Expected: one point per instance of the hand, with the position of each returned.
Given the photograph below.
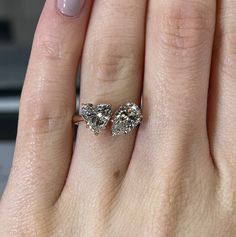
(175, 175)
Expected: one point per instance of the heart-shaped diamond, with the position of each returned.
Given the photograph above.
(96, 117)
(126, 118)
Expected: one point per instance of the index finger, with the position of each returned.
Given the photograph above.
(45, 132)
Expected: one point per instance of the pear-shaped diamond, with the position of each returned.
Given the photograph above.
(126, 118)
(96, 117)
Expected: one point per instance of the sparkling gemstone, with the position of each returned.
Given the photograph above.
(96, 117)
(126, 118)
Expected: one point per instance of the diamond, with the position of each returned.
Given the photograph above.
(96, 117)
(126, 118)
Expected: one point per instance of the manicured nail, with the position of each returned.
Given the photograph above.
(70, 7)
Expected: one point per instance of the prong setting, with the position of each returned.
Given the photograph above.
(126, 118)
(96, 117)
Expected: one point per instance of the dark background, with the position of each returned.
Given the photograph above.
(18, 20)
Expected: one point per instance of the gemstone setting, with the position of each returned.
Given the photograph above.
(126, 118)
(96, 117)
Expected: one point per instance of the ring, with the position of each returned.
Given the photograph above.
(97, 117)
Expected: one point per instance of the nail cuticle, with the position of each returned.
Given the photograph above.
(70, 8)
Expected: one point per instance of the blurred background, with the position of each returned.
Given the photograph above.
(18, 20)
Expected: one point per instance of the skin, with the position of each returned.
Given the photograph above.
(172, 177)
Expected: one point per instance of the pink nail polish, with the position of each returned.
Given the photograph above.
(70, 7)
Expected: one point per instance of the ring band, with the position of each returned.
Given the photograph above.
(97, 117)
(77, 119)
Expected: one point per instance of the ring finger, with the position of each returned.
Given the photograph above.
(112, 70)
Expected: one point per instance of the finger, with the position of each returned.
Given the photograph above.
(44, 140)
(112, 69)
(171, 152)
(178, 60)
(222, 110)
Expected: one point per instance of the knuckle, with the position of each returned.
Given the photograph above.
(122, 8)
(113, 63)
(226, 35)
(51, 48)
(43, 117)
(186, 27)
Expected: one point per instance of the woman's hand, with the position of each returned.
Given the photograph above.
(176, 175)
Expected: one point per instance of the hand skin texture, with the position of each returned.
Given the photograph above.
(175, 175)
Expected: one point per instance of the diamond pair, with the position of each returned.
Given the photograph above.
(124, 120)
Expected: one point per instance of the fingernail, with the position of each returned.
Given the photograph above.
(70, 7)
